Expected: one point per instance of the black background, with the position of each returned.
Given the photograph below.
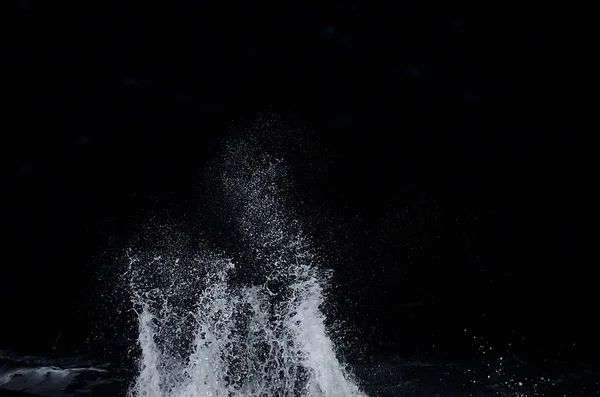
(458, 169)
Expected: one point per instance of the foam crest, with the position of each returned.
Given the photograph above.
(207, 329)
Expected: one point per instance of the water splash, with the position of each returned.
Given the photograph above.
(212, 327)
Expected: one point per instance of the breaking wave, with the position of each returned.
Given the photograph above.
(213, 326)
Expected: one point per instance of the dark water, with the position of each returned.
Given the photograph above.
(379, 376)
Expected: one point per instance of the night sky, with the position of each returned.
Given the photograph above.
(457, 178)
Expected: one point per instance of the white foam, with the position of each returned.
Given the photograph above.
(44, 380)
(238, 338)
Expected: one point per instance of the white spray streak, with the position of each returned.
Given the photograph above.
(258, 340)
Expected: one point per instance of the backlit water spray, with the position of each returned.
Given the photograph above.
(209, 326)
